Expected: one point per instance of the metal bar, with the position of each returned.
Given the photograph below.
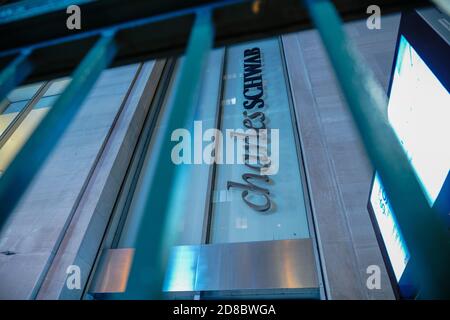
(236, 18)
(423, 231)
(157, 202)
(444, 5)
(30, 158)
(130, 23)
(15, 73)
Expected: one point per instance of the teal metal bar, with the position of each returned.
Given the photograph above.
(30, 158)
(444, 5)
(158, 200)
(424, 232)
(15, 73)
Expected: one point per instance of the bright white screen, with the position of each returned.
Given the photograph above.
(389, 229)
(419, 112)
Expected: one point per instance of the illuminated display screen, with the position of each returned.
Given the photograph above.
(389, 229)
(418, 111)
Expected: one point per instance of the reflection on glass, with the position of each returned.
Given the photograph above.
(24, 92)
(57, 87)
(15, 103)
(17, 139)
(45, 102)
(10, 113)
(20, 135)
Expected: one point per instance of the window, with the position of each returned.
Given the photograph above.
(15, 103)
(21, 112)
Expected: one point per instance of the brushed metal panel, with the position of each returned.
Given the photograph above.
(283, 264)
(182, 269)
(247, 268)
(113, 272)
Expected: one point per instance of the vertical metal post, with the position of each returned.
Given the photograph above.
(15, 73)
(422, 228)
(157, 203)
(30, 158)
(444, 5)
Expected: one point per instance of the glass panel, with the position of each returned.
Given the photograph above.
(20, 135)
(254, 209)
(192, 202)
(57, 87)
(15, 102)
(24, 92)
(15, 107)
(46, 102)
(10, 113)
(26, 128)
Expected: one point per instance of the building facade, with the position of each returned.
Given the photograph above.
(301, 231)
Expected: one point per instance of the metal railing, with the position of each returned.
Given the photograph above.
(422, 231)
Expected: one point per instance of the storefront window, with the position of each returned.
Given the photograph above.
(21, 112)
(248, 205)
(14, 103)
